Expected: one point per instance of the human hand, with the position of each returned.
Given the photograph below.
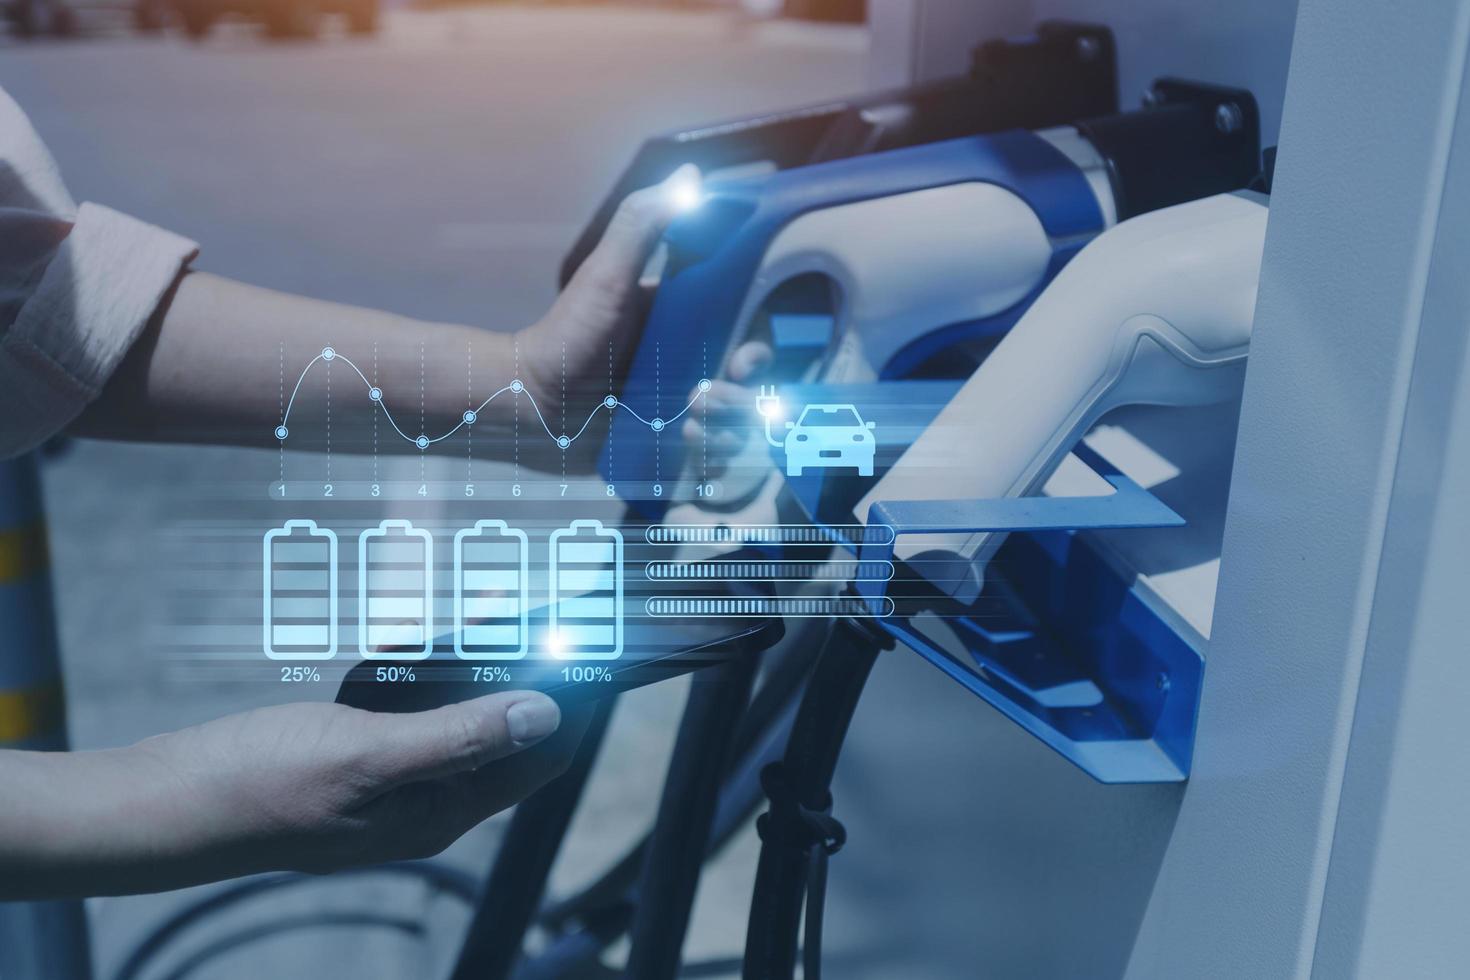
(588, 336)
(720, 432)
(308, 787)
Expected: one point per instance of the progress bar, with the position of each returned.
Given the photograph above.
(843, 570)
(765, 606)
(850, 534)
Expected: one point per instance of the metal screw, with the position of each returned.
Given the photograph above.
(1163, 683)
(1228, 118)
(1088, 48)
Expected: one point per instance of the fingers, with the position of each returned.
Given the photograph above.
(458, 738)
(714, 448)
(726, 412)
(720, 428)
(421, 819)
(637, 225)
(749, 360)
(485, 792)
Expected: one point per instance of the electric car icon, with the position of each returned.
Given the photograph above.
(829, 436)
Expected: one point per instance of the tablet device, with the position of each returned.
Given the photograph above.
(654, 649)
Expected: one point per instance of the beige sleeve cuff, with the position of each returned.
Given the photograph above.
(95, 297)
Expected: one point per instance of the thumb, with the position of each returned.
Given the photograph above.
(460, 737)
(638, 223)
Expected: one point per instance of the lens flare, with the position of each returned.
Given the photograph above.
(685, 189)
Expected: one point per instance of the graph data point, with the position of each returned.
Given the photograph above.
(471, 416)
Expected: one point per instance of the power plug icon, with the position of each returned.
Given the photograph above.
(768, 403)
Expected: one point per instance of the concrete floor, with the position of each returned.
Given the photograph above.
(440, 170)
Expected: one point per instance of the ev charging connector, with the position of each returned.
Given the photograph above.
(926, 249)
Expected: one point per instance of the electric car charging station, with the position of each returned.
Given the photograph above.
(1103, 452)
(1054, 359)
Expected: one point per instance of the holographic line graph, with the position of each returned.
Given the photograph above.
(609, 402)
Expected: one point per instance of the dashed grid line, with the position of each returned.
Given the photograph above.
(564, 407)
(704, 413)
(469, 396)
(658, 436)
(329, 422)
(516, 347)
(281, 407)
(423, 476)
(375, 415)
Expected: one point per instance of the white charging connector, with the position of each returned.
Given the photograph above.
(1154, 311)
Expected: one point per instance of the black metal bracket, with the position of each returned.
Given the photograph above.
(1063, 73)
(1192, 140)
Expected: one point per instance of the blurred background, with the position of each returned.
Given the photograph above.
(437, 159)
(304, 19)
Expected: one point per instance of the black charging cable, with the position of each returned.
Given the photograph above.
(817, 832)
(798, 832)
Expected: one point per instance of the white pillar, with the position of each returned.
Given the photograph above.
(1322, 833)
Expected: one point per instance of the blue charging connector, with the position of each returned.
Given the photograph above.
(715, 251)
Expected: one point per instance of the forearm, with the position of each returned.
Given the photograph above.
(307, 787)
(218, 361)
(88, 823)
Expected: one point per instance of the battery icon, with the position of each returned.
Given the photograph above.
(490, 592)
(395, 600)
(587, 592)
(300, 590)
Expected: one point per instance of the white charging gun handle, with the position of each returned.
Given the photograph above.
(1156, 310)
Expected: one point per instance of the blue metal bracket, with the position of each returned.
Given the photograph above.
(1128, 506)
(1060, 643)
